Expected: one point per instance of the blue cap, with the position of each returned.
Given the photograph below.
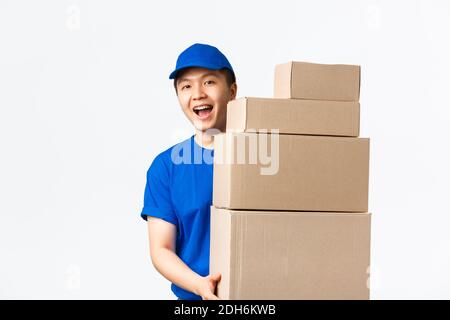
(202, 56)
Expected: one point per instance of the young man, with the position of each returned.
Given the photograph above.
(178, 193)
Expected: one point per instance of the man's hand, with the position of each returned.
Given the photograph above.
(207, 285)
(162, 237)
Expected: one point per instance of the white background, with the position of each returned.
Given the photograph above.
(86, 104)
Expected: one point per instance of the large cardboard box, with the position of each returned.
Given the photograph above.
(294, 116)
(302, 80)
(290, 255)
(290, 172)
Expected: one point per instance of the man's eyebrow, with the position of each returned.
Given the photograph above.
(182, 79)
(209, 74)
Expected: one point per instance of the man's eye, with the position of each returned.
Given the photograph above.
(209, 81)
(185, 87)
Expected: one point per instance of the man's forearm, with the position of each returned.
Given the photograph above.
(175, 270)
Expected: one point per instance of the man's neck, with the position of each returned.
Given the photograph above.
(205, 140)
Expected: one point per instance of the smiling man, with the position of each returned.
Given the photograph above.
(178, 192)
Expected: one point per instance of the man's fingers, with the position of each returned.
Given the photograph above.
(216, 276)
(211, 297)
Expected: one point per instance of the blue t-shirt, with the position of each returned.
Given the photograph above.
(179, 191)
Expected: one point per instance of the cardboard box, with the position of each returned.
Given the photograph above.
(290, 255)
(290, 172)
(294, 116)
(302, 80)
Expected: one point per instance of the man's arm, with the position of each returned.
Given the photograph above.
(162, 236)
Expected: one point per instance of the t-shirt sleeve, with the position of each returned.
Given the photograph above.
(157, 200)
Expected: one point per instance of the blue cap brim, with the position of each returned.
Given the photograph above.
(194, 65)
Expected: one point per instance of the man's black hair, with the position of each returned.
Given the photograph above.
(229, 76)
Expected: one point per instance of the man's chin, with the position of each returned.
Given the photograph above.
(203, 125)
(208, 128)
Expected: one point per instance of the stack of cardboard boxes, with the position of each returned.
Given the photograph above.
(289, 218)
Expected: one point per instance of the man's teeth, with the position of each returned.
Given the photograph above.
(202, 107)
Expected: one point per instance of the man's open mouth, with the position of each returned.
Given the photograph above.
(203, 111)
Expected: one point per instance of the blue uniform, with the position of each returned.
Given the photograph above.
(179, 191)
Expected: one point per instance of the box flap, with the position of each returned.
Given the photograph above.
(237, 115)
(283, 76)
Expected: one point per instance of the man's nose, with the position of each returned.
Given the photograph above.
(198, 93)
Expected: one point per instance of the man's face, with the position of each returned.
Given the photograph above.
(203, 95)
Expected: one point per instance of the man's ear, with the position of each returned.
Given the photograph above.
(233, 91)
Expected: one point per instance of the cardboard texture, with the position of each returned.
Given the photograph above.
(312, 173)
(302, 80)
(290, 255)
(290, 207)
(294, 116)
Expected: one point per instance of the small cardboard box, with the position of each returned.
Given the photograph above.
(290, 172)
(290, 255)
(294, 116)
(302, 80)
